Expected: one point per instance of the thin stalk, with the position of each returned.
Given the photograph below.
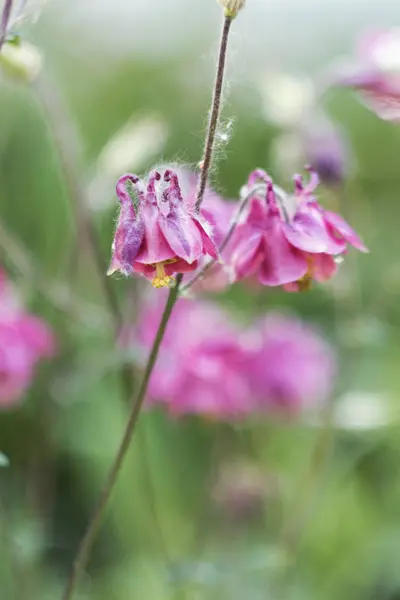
(5, 18)
(215, 112)
(227, 238)
(66, 141)
(98, 514)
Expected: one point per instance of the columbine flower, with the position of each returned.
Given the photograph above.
(377, 74)
(289, 241)
(293, 367)
(24, 340)
(160, 235)
(203, 362)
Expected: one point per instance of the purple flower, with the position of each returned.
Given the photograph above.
(288, 241)
(376, 75)
(161, 234)
(24, 341)
(293, 368)
(203, 362)
(326, 150)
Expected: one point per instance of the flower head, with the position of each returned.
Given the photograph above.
(160, 234)
(203, 362)
(286, 240)
(376, 75)
(293, 367)
(24, 341)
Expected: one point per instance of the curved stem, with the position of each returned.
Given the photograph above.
(98, 514)
(215, 111)
(5, 18)
(227, 238)
(65, 136)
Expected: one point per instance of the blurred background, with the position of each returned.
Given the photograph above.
(294, 508)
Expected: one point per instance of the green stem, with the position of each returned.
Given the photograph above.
(99, 511)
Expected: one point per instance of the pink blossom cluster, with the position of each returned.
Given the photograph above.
(24, 341)
(281, 239)
(210, 366)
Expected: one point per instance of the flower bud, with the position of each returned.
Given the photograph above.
(21, 61)
(232, 7)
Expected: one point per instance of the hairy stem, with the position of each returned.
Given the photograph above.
(98, 514)
(5, 17)
(226, 239)
(214, 114)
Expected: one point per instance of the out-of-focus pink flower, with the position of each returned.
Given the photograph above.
(203, 362)
(293, 368)
(160, 235)
(376, 75)
(24, 341)
(288, 241)
(210, 367)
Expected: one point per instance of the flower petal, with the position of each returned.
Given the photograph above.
(247, 256)
(282, 263)
(341, 227)
(306, 232)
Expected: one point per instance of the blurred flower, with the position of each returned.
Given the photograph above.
(325, 149)
(21, 60)
(316, 142)
(130, 148)
(241, 489)
(360, 410)
(209, 366)
(293, 368)
(288, 241)
(376, 76)
(24, 340)
(160, 235)
(203, 363)
(286, 99)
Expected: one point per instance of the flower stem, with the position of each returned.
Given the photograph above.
(65, 138)
(226, 239)
(99, 511)
(5, 17)
(215, 111)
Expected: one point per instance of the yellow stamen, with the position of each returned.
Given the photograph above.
(305, 282)
(162, 279)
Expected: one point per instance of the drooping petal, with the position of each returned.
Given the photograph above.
(306, 232)
(342, 230)
(208, 245)
(182, 236)
(282, 263)
(324, 267)
(247, 256)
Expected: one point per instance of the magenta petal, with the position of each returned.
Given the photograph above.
(182, 236)
(247, 256)
(282, 262)
(208, 245)
(341, 226)
(306, 232)
(257, 213)
(324, 267)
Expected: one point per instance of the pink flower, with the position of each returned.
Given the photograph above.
(376, 76)
(293, 368)
(161, 234)
(203, 363)
(24, 341)
(288, 241)
(219, 213)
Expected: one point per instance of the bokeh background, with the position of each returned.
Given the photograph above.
(173, 528)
